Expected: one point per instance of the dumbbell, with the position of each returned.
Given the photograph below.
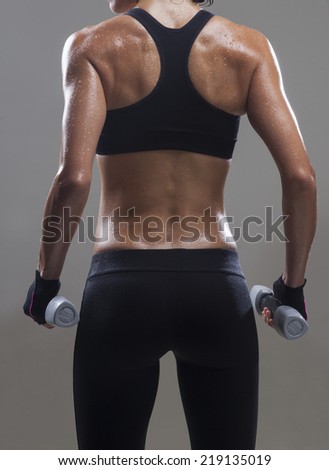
(61, 312)
(287, 321)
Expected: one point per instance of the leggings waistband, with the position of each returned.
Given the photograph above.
(172, 259)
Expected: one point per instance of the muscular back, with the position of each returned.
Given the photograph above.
(221, 61)
(125, 66)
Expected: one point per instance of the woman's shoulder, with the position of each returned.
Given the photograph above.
(242, 36)
(115, 26)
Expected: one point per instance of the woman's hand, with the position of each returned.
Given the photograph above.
(39, 295)
(268, 317)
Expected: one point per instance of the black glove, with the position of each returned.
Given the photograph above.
(291, 296)
(39, 295)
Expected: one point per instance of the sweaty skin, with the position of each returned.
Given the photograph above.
(115, 64)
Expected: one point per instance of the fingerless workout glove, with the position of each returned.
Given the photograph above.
(39, 295)
(291, 296)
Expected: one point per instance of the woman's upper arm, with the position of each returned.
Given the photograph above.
(84, 110)
(271, 115)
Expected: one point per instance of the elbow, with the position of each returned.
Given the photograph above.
(302, 181)
(68, 190)
(73, 182)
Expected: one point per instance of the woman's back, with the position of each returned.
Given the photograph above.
(167, 185)
(221, 61)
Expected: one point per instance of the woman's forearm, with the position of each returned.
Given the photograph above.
(299, 204)
(63, 210)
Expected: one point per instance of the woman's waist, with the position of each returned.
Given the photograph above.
(180, 228)
(167, 259)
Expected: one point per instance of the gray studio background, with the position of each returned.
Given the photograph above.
(36, 404)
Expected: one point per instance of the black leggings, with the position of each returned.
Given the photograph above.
(137, 306)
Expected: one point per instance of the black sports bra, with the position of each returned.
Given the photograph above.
(174, 115)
